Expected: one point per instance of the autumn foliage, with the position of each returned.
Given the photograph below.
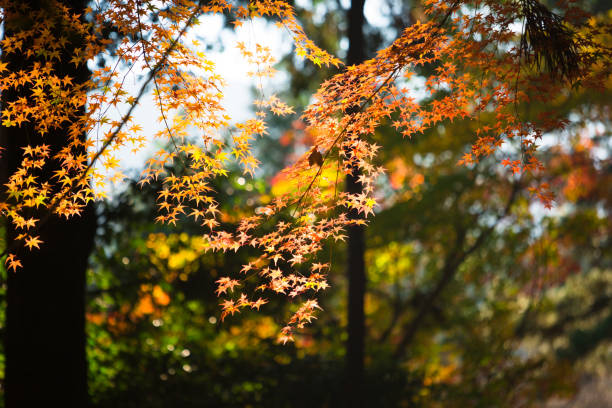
(482, 59)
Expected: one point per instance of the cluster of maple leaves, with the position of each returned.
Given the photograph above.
(475, 70)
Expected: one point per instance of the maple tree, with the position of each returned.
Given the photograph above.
(486, 57)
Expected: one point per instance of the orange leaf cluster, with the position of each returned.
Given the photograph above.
(477, 71)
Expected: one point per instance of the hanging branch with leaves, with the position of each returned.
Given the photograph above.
(475, 61)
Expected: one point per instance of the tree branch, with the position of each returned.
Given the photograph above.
(449, 270)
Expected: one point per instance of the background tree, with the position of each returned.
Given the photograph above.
(45, 301)
(355, 346)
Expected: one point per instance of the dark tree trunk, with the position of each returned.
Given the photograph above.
(356, 244)
(45, 315)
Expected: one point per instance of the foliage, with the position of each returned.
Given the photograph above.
(477, 74)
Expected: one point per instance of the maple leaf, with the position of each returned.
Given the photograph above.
(286, 335)
(12, 262)
(229, 307)
(225, 284)
(319, 266)
(276, 257)
(258, 303)
(246, 268)
(33, 242)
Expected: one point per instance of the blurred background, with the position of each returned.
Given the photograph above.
(476, 296)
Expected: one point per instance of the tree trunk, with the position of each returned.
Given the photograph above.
(355, 344)
(45, 315)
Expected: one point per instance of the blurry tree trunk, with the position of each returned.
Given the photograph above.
(45, 315)
(356, 245)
